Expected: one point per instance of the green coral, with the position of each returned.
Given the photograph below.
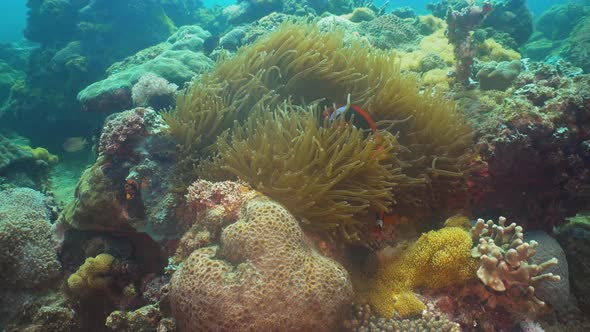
(92, 276)
(95, 206)
(43, 154)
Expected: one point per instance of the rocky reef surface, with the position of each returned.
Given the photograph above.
(226, 191)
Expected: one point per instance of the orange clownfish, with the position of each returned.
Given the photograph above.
(331, 114)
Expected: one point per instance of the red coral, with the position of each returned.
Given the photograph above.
(121, 131)
(227, 195)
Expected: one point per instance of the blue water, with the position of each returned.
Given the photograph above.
(223, 3)
(12, 20)
(419, 6)
(13, 13)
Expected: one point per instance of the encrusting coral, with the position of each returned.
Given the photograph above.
(300, 64)
(262, 276)
(438, 259)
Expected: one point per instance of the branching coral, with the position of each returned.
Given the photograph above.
(505, 259)
(301, 64)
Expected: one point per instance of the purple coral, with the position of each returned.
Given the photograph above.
(460, 24)
(121, 131)
(150, 88)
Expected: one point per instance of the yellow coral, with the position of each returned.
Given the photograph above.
(407, 304)
(42, 154)
(491, 50)
(92, 275)
(458, 220)
(360, 14)
(432, 23)
(436, 260)
(436, 43)
(436, 78)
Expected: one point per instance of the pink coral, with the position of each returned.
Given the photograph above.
(150, 86)
(121, 130)
(226, 197)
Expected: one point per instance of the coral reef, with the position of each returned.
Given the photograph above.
(78, 40)
(28, 260)
(12, 154)
(533, 139)
(23, 166)
(511, 18)
(573, 236)
(262, 276)
(363, 319)
(8, 77)
(92, 276)
(389, 31)
(146, 319)
(505, 259)
(561, 32)
(153, 90)
(301, 64)
(129, 181)
(49, 312)
(177, 60)
(305, 164)
(361, 14)
(498, 76)
(441, 8)
(460, 25)
(554, 292)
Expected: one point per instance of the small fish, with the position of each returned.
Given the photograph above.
(74, 144)
(131, 188)
(332, 113)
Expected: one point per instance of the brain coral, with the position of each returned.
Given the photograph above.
(263, 277)
(27, 256)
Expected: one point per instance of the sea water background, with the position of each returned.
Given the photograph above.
(13, 18)
(13, 13)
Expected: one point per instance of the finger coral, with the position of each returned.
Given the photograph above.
(505, 259)
(262, 277)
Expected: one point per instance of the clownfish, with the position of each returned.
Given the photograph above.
(332, 115)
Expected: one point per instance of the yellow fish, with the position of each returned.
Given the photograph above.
(74, 144)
